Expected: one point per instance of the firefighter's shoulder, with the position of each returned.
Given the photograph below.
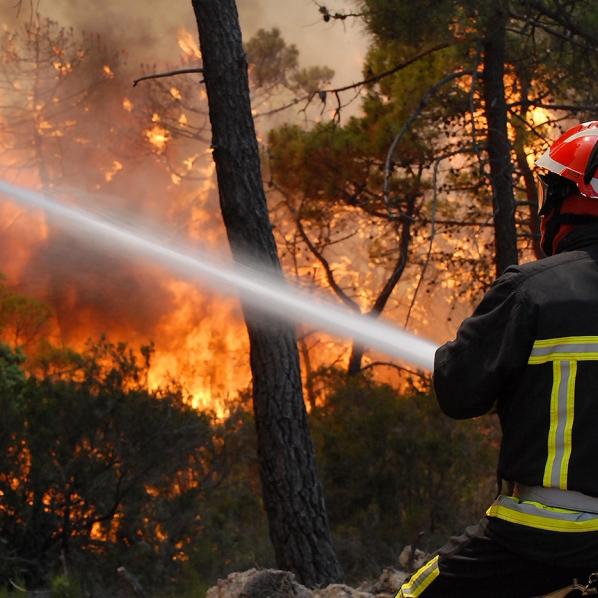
(543, 267)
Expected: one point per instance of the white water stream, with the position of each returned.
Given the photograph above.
(257, 289)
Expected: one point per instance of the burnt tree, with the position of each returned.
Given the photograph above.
(292, 493)
(499, 148)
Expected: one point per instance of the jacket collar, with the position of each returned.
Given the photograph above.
(581, 237)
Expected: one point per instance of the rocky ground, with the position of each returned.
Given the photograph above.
(271, 583)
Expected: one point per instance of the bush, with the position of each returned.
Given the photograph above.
(396, 470)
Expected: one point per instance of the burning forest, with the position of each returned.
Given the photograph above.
(157, 426)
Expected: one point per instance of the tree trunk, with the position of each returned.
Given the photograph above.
(531, 189)
(499, 149)
(292, 493)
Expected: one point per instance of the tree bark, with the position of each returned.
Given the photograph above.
(531, 189)
(292, 494)
(499, 149)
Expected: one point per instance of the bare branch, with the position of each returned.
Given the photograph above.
(401, 263)
(568, 107)
(393, 70)
(359, 84)
(432, 235)
(338, 16)
(338, 291)
(168, 74)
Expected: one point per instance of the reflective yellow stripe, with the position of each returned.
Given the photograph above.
(568, 424)
(420, 580)
(566, 348)
(563, 356)
(533, 514)
(565, 340)
(554, 421)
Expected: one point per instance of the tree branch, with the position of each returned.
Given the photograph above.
(338, 291)
(392, 71)
(561, 18)
(407, 124)
(167, 74)
(399, 268)
(368, 81)
(569, 107)
(339, 16)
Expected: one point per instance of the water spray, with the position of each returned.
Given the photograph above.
(258, 289)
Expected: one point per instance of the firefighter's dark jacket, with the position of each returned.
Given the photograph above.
(530, 350)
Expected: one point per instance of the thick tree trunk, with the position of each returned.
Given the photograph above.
(292, 493)
(499, 149)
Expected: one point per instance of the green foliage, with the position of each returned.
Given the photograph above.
(97, 470)
(274, 63)
(23, 319)
(394, 467)
(64, 587)
(271, 58)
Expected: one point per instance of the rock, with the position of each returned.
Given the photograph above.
(389, 582)
(254, 583)
(339, 590)
(272, 583)
(411, 560)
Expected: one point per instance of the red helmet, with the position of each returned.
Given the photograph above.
(574, 155)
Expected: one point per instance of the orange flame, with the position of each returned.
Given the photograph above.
(188, 44)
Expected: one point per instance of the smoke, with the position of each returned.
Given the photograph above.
(148, 31)
(106, 155)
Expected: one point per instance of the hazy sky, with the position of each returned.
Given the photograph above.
(148, 29)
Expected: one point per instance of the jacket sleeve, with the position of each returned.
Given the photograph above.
(490, 351)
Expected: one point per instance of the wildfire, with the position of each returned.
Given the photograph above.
(188, 44)
(107, 72)
(127, 105)
(158, 136)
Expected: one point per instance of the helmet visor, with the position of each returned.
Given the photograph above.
(552, 190)
(542, 195)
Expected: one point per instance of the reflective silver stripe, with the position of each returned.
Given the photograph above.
(545, 161)
(531, 509)
(559, 445)
(555, 497)
(537, 515)
(583, 133)
(564, 348)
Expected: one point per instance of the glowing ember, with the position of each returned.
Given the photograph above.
(64, 68)
(107, 72)
(128, 105)
(116, 167)
(158, 136)
(175, 93)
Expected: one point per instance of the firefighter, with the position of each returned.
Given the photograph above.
(530, 352)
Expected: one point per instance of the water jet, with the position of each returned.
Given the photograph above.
(257, 288)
